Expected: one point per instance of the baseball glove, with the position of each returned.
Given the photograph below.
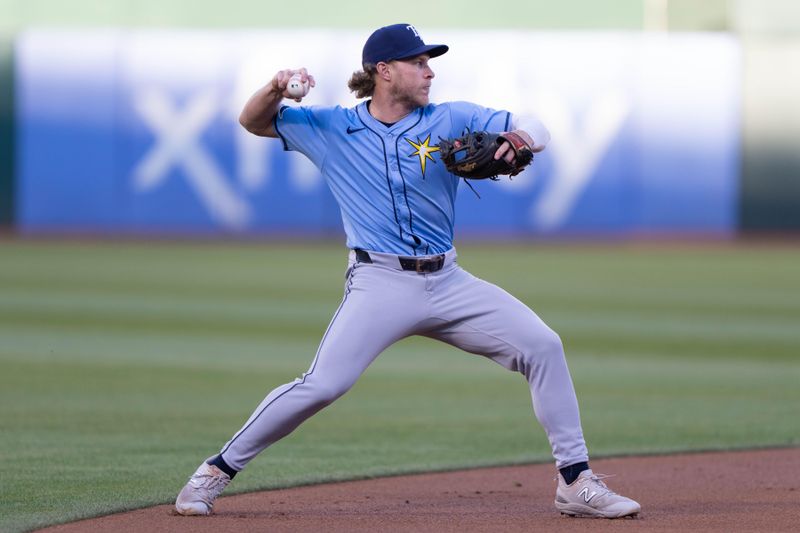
(472, 155)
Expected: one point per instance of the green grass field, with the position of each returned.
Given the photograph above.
(126, 364)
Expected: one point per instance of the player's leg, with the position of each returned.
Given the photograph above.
(481, 318)
(378, 308)
(373, 315)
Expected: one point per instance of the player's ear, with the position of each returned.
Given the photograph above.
(384, 72)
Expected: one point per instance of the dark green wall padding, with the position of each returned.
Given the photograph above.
(6, 132)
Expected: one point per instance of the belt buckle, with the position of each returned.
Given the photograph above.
(432, 264)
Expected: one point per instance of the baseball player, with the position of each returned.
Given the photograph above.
(402, 278)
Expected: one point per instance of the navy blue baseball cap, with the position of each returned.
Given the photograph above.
(398, 41)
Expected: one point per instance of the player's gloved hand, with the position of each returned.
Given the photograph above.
(481, 155)
(508, 151)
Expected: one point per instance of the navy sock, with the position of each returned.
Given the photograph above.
(570, 473)
(222, 465)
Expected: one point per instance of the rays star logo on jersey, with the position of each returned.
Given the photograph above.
(423, 151)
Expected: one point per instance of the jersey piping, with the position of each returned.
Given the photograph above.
(386, 165)
(417, 242)
(277, 130)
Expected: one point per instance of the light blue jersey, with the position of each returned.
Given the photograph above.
(394, 193)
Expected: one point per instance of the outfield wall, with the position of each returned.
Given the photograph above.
(136, 131)
(7, 134)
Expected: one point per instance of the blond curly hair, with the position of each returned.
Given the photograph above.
(362, 82)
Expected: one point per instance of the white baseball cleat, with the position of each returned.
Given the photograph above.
(588, 496)
(197, 497)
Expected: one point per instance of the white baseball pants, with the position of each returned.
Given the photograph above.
(382, 304)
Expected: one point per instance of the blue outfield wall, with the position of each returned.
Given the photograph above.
(124, 131)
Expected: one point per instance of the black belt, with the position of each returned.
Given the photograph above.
(432, 263)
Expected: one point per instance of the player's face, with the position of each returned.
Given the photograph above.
(411, 81)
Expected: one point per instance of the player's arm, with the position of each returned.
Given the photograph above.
(532, 132)
(259, 112)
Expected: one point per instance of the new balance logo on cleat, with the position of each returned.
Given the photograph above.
(586, 495)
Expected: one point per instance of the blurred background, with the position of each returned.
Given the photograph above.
(669, 117)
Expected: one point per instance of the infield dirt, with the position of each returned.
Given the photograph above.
(711, 492)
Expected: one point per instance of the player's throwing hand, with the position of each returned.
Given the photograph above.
(293, 84)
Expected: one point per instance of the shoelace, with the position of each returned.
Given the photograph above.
(213, 484)
(598, 479)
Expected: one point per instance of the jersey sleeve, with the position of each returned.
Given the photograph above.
(303, 129)
(478, 118)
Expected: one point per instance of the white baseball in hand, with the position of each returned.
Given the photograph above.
(297, 88)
